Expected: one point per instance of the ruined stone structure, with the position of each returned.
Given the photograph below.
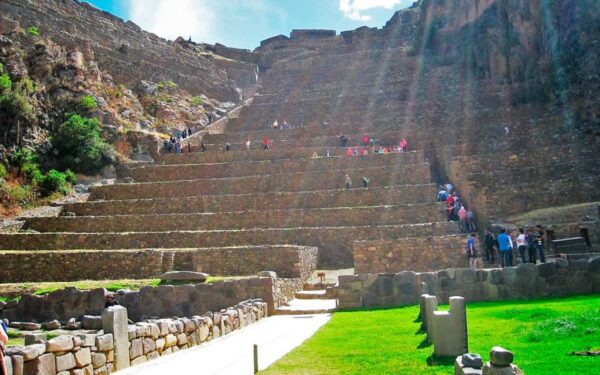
(478, 88)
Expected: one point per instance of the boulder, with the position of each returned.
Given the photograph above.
(184, 276)
(91, 322)
(59, 344)
(472, 360)
(500, 356)
(35, 338)
(53, 324)
(30, 326)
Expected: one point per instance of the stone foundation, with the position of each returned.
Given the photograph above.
(523, 282)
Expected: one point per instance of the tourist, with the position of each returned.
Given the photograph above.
(442, 195)
(450, 209)
(541, 238)
(202, 146)
(315, 155)
(343, 140)
(178, 147)
(451, 198)
(449, 187)
(285, 125)
(348, 181)
(327, 153)
(227, 146)
(266, 142)
(462, 218)
(522, 244)
(531, 246)
(173, 143)
(110, 301)
(404, 145)
(489, 242)
(248, 144)
(3, 343)
(275, 126)
(189, 131)
(349, 151)
(366, 140)
(166, 145)
(189, 147)
(455, 211)
(505, 247)
(472, 251)
(365, 182)
(471, 220)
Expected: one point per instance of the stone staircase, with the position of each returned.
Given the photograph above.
(220, 198)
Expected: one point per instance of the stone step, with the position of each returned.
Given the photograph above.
(286, 218)
(259, 155)
(307, 307)
(321, 180)
(402, 194)
(151, 173)
(311, 294)
(390, 138)
(334, 243)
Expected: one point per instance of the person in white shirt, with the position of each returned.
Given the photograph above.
(522, 244)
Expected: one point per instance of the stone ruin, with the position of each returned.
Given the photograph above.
(446, 330)
(500, 364)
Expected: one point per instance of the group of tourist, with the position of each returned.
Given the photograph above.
(368, 142)
(173, 144)
(456, 208)
(529, 242)
(283, 126)
(348, 181)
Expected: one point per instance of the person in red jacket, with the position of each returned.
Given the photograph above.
(266, 142)
(366, 139)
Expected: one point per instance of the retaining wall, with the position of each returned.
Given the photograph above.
(60, 265)
(525, 281)
(414, 254)
(156, 302)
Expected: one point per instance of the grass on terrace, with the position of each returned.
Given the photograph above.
(9, 291)
(541, 334)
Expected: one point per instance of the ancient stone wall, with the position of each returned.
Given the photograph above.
(412, 254)
(523, 282)
(79, 265)
(158, 302)
(127, 52)
(97, 352)
(286, 261)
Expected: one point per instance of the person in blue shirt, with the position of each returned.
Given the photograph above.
(442, 195)
(505, 247)
(472, 251)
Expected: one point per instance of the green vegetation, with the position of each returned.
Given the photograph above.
(41, 288)
(32, 30)
(80, 146)
(5, 82)
(197, 101)
(166, 85)
(541, 333)
(88, 103)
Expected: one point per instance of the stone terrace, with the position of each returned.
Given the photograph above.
(222, 199)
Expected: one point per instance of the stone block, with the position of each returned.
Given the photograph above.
(561, 263)
(65, 362)
(472, 360)
(101, 371)
(110, 356)
(489, 369)
(184, 276)
(152, 355)
(182, 339)
(546, 269)
(30, 326)
(42, 365)
(594, 265)
(17, 364)
(98, 359)
(139, 360)
(430, 304)
(114, 320)
(59, 344)
(88, 370)
(450, 329)
(92, 322)
(131, 333)
(160, 344)
(500, 356)
(170, 340)
(8, 365)
(163, 326)
(87, 339)
(105, 342)
(136, 348)
(461, 369)
(154, 330)
(149, 345)
(579, 265)
(35, 338)
(31, 352)
(83, 357)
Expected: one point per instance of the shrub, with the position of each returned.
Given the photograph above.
(3, 171)
(23, 157)
(32, 30)
(88, 103)
(71, 177)
(5, 82)
(170, 83)
(80, 146)
(197, 101)
(54, 181)
(27, 86)
(1, 68)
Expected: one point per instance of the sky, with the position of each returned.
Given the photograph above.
(244, 23)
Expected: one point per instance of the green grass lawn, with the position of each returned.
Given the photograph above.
(540, 333)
